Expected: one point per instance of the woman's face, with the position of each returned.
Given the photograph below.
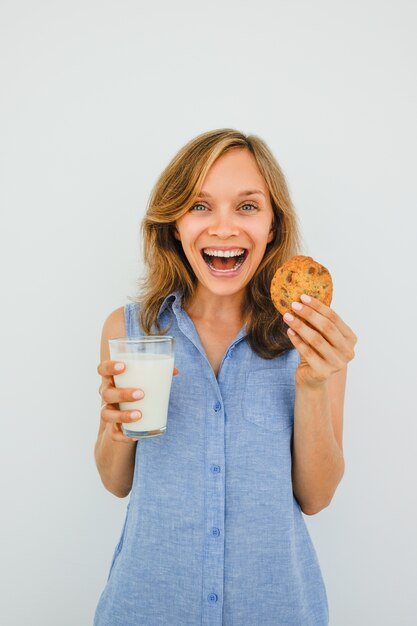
(225, 234)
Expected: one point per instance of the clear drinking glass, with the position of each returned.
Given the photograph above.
(149, 363)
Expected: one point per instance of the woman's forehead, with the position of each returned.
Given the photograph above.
(238, 167)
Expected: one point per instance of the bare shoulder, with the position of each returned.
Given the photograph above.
(113, 327)
(114, 324)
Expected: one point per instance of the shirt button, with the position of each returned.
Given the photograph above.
(215, 469)
(215, 532)
(217, 406)
(212, 598)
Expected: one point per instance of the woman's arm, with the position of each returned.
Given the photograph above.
(114, 453)
(325, 345)
(318, 463)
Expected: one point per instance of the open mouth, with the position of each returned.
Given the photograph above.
(224, 261)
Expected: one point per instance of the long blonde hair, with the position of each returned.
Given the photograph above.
(167, 268)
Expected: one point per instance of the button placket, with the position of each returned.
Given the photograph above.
(213, 565)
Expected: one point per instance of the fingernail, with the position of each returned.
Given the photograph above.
(305, 298)
(134, 439)
(135, 415)
(119, 366)
(288, 317)
(297, 306)
(137, 394)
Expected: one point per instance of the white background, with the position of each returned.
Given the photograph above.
(97, 97)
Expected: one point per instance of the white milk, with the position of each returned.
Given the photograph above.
(153, 374)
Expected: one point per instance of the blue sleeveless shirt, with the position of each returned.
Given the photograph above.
(213, 535)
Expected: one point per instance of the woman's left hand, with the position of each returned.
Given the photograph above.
(325, 342)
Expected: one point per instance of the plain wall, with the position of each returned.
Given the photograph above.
(97, 97)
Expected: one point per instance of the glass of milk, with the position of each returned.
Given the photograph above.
(149, 364)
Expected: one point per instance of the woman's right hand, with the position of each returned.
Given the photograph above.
(111, 396)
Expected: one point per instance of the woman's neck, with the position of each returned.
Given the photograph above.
(212, 307)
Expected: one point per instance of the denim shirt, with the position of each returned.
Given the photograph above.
(213, 535)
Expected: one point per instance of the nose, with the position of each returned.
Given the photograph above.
(223, 225)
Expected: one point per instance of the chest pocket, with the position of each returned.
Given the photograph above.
(268, 401)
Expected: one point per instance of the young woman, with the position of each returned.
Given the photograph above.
(214, 532)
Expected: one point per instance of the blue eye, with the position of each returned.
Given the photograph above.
(201, 208)
(249, 204)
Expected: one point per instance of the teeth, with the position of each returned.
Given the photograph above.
(224, 253)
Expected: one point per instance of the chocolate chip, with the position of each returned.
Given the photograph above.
(311, 270)
(283, 302)
(289, 277)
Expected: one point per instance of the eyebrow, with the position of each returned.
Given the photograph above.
(247, 192)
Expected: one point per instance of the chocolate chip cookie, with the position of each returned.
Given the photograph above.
(298, 275)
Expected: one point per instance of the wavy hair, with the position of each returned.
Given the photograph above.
(167, 268)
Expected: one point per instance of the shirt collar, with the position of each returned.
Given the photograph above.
(175, 298)
(171, 299)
